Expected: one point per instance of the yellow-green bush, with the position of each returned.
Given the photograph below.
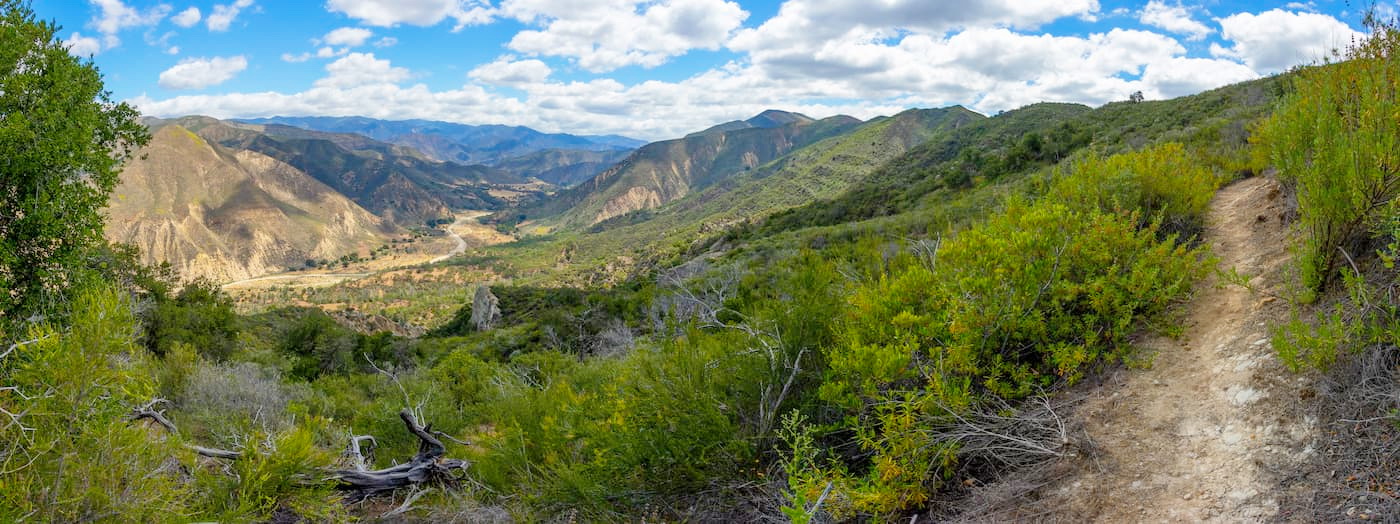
(282, 471)
(69, 454)
(1165, 181)
(1335, 142)
(1033, 296)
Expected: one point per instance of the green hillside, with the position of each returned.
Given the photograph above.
(665, 171)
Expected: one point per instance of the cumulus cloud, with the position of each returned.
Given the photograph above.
(604, 35)
(837, 56)
(387, 41)
(1276, 39)
(507, 71)
(804, 24)
(358, 69)
(1180, 76)
(114, 16)
(1174, 18)
(199, 73)
(187, 18)
(822, 38)
(348, 36)
(79, 45)
(988, 68)
(223, 15)
(389, 13)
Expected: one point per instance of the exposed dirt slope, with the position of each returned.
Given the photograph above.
(1193, 438)
(228, 215)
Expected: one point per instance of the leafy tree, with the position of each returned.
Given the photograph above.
(200, 315)
(63, 141)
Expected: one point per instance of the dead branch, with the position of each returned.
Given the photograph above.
(353, 450)
(428, 466)
(17, 345)
(407, 503)
(148, 411)
(216, 452)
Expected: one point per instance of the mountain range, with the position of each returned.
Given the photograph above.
(661, 172)
(369, 179)
(461, 143)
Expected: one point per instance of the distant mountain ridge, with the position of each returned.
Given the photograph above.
(664, 171)
(227, 214)
(765, 120)
(395, 182)
(461, 143)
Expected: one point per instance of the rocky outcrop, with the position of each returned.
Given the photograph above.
(486, 311)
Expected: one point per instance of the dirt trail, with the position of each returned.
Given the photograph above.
(461, 246)
(1194, 437)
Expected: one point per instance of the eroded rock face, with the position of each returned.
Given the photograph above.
(228, 215)
(486, 311)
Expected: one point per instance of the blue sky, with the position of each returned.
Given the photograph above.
(661, 68)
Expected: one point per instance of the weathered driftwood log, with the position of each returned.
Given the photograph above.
(426, 467)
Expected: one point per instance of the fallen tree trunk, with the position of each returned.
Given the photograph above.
(426, 467)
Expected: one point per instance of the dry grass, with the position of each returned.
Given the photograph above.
(1355, 472)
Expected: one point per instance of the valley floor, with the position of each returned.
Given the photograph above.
(465, 232)
(1197, 436)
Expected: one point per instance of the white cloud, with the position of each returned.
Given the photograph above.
(199, 73)
(604, 35)
(389, 13)
(806, 23)
(186, 18)
(79, 45)
(860, 58)
(348, 36)
(115, 16)
(298, 58)
(1174, 18)
(832, 37)
(173, 50)
(387, 41)
(1276, 39)
(507, 71)
(987, 69)
(223, 15)
(358, 69)
(1185, 76)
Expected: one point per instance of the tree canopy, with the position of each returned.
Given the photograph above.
(62, 143)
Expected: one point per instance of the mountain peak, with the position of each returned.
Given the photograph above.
(776, 117)
(768, 119)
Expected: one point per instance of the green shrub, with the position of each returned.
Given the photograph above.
(201, 315)
(1165, 181)
(1033, 296)
(1334, 141)
(277, 472)
(70, 454)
